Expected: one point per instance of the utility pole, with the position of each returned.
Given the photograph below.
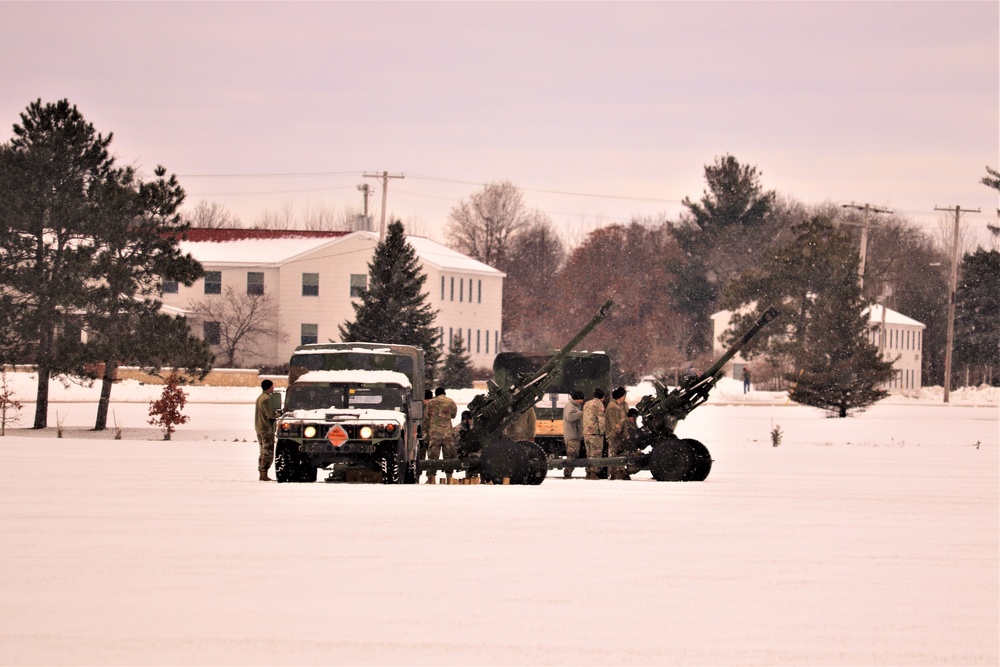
(384, 177)
(366, 191)
(866, 209)
(953, 285)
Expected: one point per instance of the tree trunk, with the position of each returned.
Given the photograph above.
(110, 366)
(42, 397)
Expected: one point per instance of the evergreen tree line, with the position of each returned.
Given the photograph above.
(85, 245)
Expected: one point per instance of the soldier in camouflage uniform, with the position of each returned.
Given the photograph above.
(593, 429)
(616, 423)
(438, 414)
(263, 421)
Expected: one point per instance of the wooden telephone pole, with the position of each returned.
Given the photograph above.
(866, 209)
(384, 177)
(953, 285)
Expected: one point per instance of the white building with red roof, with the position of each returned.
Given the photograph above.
(313, 278)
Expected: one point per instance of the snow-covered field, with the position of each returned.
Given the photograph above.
(871, 540)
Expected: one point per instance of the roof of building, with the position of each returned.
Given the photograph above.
(891, 317)
(269, 247)
(874, 316)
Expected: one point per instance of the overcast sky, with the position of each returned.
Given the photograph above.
(597, 111)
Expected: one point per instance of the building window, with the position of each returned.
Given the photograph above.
(496, 342)
(170, 287)
(487, 342)
(477, 341)
(310, 334)
(479, 297)
(255, 282)
(213, 282)
(470, 290)
(359, 282)
(451, 337)
(442, 291)
(452, 290)
(468, 341)
(310, 284)
(212, 333)
(461, 290)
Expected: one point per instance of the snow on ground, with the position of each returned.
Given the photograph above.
(871, 540)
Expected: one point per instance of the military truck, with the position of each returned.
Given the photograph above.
(577, 371)
(354, 410)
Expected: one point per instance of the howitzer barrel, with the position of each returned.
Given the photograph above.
(602, 314)
(769, 315)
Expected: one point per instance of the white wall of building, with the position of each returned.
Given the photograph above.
(333, 262)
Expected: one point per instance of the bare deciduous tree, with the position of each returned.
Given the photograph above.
(483, 226)
(246, 322)
(212, 215)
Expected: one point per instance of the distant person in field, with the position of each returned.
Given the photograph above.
(263, 421)
(746, 379)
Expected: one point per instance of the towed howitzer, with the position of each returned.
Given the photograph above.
(493, 411)
(673, 459)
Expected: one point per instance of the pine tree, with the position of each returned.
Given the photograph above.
(813, 280)
(457, 373)
(393, 308)
(839, 369)
(977, 312)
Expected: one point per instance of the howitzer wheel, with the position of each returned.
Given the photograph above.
(504, 459)
(701, 461)
(670, 461)
(537, 464)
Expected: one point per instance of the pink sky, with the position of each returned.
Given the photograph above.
(893, 104)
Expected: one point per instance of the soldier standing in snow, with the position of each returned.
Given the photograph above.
(263, 421)
(615, 423)
(573, 428)
(438, 414)
(593, 429)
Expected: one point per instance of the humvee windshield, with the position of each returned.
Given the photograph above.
(322, 395)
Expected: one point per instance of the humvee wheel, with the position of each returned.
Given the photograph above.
(670, 461)
(290, 465)
(701, 461)
(410, 473)
(504, 459)
(537, 463)
(392, 472)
